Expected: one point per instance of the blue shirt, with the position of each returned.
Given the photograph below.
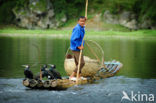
(77, 37)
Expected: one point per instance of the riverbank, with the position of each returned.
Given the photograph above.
(62, 32)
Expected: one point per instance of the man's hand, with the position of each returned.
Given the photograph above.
(80, 47)
(85, 18)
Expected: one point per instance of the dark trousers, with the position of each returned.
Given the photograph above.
(76, 58)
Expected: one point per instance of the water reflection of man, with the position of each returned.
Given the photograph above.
(75, 45)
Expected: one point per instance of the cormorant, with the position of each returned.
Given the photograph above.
(46, 73)
(55, 73)
(44, 67)
(27, 72)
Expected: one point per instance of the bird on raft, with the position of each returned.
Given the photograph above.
(46, 73)
(27, 72)
(55, 73)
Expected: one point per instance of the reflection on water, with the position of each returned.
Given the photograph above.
(108, 90)
(33, 51)
(137, 55)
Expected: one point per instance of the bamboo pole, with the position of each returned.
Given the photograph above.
(40, 73)
(77, 78)
(86, 8)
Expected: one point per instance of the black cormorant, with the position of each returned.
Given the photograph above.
(46, 73)
(55, 73)
(27, 72)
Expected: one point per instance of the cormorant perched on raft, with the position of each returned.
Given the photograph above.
(45, 73)
(55, 73)
(44, 67)
(27, 72)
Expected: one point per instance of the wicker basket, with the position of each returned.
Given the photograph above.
(90, 68)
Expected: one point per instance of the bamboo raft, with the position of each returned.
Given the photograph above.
(62, 84)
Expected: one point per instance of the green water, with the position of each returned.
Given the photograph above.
(138, 55)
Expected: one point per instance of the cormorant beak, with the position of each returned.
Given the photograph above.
(52, 66)
(26, 66)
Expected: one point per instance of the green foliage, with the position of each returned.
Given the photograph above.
(59, 8)
(114, 6)
(21, 3)
(6, 14)
(72, 8)
(145, 10)
(41, 5)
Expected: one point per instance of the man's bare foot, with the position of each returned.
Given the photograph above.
(72, 75)
(72, 78)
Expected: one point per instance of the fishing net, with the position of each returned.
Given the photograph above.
(93, 57)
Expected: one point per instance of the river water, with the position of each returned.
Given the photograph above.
(138, 74)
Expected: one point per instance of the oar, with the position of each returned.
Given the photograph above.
(77, 78)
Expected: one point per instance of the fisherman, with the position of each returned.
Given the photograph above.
(75, 45)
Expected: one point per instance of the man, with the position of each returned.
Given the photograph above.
(75, 45)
